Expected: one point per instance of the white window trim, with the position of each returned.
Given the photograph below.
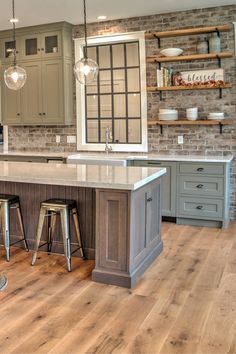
(80, 96)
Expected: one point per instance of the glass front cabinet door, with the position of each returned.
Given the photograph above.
(41, 45)
(7, 50)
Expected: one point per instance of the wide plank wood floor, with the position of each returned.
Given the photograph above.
(185, 303)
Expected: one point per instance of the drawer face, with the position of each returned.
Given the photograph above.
(202, 168)
(201, 185)
(201, 208)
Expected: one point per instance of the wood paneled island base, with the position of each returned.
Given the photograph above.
(120, 228)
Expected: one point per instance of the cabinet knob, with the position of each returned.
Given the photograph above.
(18, 114)
(200, 169)
(40, 114)
(200, 186)
(38, 49)
(200, 207)
(149, 199)
(42, 49)
(44, 114)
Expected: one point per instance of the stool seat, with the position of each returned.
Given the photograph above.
(65, 208)
(51, 203)
(12, 199)
(8, 202)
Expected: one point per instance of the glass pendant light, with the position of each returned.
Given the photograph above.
(14, 76)
(86, 70)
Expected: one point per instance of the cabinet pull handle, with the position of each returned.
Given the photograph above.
(154, 163)
(200, 207)
(200, 169)
(149, 199)
(200, 186)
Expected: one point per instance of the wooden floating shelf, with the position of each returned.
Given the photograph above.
(187, 31)
(158, 59)
(191, 122)
(178, 88)
(162, 123)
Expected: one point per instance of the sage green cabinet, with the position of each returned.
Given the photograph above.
(203, 194)
(169, 181)
(11, 104)
(195, 193)
(41, 46)
(47, 97)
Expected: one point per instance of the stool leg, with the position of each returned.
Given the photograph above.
(19, 214)
(77, 230)
(6, 227)
(65, 224)
(51, 228)
(39, 234)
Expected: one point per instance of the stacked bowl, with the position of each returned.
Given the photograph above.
(168, 114)
(216, 116)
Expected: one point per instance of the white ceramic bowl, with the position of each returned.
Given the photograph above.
(168, 116)
(216, 114)
(163, 110)
(192, 117)
(171, 52)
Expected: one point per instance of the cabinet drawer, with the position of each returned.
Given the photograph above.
(202, 168)
(201, 185)
(200, 208)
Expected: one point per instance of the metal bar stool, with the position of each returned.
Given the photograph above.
(8, 202)
(51, 208)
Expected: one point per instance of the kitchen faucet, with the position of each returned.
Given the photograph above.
(108, 147)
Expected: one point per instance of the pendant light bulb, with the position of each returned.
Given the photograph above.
(14, 76)
(86, 69)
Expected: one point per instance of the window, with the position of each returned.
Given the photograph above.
(118, 98)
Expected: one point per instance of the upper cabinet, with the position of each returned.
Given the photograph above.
(46, 54)
(42, 46)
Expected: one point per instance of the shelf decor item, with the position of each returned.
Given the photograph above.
(171, 52)
(14, 76)
(214, 43)
(203, 47)
(212, 77)
(86, 69)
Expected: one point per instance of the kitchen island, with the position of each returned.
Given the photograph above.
(119, 211)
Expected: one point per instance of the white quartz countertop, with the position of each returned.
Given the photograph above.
(94, 176)
(122, 156)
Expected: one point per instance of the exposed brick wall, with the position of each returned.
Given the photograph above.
(197, 139)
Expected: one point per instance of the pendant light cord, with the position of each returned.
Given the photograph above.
(14, 32)
(85, 31)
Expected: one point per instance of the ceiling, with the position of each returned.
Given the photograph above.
(33, 12)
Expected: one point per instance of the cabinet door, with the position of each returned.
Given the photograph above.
(11, 104)
(168, 195)
(51, 45)
(52, 92)
(153, 214)
(7, 46)
(31, 94)
(31, 47)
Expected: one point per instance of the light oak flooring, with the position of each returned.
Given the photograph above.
(185, 303)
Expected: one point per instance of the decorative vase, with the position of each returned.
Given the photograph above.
(202, 47)
(214, 43)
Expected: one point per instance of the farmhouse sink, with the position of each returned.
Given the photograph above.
(96, 159)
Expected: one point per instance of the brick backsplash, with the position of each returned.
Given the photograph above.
(197, 139)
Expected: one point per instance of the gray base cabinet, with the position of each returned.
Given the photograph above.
(195, 193)
(128, 234)
(203, 194)
(169, 181)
